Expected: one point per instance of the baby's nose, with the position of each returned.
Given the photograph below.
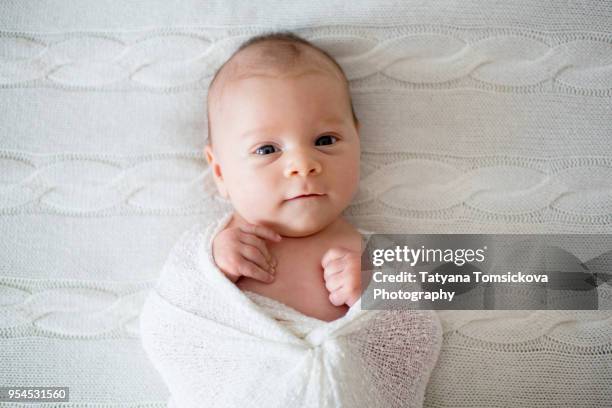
(302, 164)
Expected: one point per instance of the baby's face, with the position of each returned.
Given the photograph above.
(276, 138)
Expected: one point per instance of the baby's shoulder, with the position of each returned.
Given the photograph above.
(348, 236)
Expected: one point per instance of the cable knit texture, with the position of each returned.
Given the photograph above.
(477, 117)
(217, 347)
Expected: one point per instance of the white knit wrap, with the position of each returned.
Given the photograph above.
(216, 346)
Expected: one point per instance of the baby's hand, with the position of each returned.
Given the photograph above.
(342, 275)
(242, 251)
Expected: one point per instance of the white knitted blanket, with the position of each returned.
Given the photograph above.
(216, 346)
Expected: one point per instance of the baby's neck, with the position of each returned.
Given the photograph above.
(336, 226)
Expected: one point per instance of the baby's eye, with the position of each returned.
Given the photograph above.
(265, 149)
(327, 139)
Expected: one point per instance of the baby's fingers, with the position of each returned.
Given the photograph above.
(337, 297)
(253, 254)
(249, 269)
(261, 231)
(258, 243)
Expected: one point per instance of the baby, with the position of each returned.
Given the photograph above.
(284, 149)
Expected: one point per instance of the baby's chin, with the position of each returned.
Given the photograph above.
(299, 232)
(296, 222)
(302, 228)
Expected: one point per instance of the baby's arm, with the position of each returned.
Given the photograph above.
(241, 251)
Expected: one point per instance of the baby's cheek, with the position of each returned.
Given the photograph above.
(351, 181)
(241, 189)
(251, 192)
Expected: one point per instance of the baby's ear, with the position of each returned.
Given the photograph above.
(216, 170)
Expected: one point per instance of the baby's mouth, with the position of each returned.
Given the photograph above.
(305, 196)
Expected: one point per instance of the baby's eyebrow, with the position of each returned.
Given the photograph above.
(334, 122)
(255, 132)
(327, 122)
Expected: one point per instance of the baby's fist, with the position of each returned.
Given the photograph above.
(242, 251)
(342, 275)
